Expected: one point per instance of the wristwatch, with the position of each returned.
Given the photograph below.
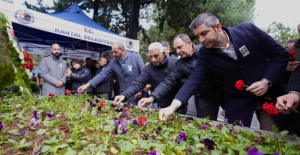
(268, 83)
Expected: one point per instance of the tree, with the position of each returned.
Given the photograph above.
(281, 33)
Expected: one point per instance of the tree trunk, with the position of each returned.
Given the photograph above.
(134, 19)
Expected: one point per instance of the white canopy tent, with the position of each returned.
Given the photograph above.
(72, 29)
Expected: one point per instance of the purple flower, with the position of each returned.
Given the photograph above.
(237, 122)
(124, 113)
(276, 153)
(135, 122)
(119, 109)
(181, 137)
(124, 124)
(144, 136)
(219, 126)
(205, 125)
(1, 125)
(209, 144)
(97, 100)
(99, 108)
(77, 94)
(117, 122)
(35, 115)
(158, 130)
(153, 137)
(152, 152)
(189, 118)
(22, 132)
(190, 149)
(32, 122)
(254, 151)
(226, 120)
(113, 105)
(38, 151)
(51, 114)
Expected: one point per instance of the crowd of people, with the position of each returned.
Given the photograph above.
(208, 71)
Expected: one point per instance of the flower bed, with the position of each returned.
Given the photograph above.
(84, 125)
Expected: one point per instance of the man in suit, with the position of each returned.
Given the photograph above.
(125, 65)
(243, 52)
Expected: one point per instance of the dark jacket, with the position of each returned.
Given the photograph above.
(105, 86)
(80, 77)
(293, 123)
(154, 75)
(210, 90)
(266, 59)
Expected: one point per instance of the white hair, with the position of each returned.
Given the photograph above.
(156, 45)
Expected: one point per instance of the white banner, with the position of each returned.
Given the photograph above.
(45, 50)
(34, 19)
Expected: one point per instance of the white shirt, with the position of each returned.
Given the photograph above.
(228, 49)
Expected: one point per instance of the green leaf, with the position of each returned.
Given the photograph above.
(49, 124)
(113, 150)
(181, 146)
(14, 132)
(14, 142)
(45, 148)
(216, 152)
(284, 132)
(41, 131)
(144, 144)
(102, 148)
(22, 141)
(74, 137)
(63, 145)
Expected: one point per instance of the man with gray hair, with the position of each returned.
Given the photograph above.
(207, 98)
(160, 66)
(240, 53)
(126, 66)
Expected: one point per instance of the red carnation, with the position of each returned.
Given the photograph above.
(101, 104)
(68, 92)
(270, 109)
(51, 95)
(292, 55)
(239, 85)
(143, 121)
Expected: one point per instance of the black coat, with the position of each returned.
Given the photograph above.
(210, 90)
(154, 75)
(106, 85)
(80, 77)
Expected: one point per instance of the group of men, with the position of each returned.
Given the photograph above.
(208, 71)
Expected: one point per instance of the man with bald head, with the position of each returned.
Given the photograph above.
(125, 65)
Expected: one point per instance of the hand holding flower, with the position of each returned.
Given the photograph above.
(286, 103)
(258, 88)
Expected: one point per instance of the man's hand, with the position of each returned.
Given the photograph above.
(59, 84)
(286, 103)
(258, 88)
(145, 102)
(118, 99)
(147, 88)
(292, 65)
(83, 88)
(138, 95)
(165, 113)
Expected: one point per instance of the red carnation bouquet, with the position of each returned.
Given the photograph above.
(28, 61)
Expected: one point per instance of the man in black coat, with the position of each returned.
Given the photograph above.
(105, 87)
(286, 104)
(207, 98)
(160, 67)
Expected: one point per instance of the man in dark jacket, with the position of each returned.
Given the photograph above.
(243, 52)
(105, 87)
(207, 98)
(160, 67)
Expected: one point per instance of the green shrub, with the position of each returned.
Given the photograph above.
(7, 75)
(34, 87)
